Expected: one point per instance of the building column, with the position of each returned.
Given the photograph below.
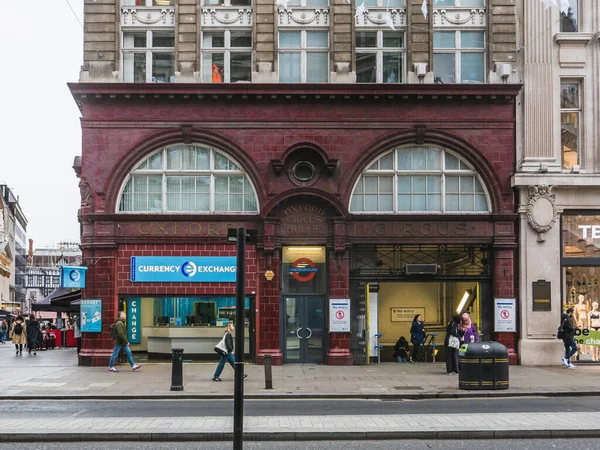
(339, 287)
(504, 287)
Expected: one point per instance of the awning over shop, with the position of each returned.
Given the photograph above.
(70, 300)
(45, 304)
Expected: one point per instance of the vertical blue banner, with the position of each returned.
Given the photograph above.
(134, 312)
(91, 316)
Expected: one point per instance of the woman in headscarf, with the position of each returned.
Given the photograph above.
(469, 329)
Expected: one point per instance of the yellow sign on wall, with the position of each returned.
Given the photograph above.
(406, 314)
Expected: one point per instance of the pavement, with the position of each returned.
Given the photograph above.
(55, 375)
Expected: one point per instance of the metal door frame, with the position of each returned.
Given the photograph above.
(304, 313)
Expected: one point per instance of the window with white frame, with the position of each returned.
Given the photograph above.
(569, 22)
(419, 180)
(463, 3)
(227, 56)
(380, 56)
(148, 56)
(570, 120)
(148, 2)
(385, 3)
(303, 56)
(459, 56)
(309, 3)
(188, 178)
(226, 2)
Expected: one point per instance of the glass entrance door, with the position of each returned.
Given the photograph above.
(303, 335)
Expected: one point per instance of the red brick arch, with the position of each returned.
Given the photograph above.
(464, 149)
(177, 136)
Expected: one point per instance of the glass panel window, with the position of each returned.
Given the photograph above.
(195, 179)
(570, 116)
(569, 23)
(459, 55)
(148, 2)
(148, 56)
(380, 57)
(423, 179)
(464, 3)
(299, 60)
(231, 62)
(226, 2)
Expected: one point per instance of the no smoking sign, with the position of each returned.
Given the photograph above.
(504, 314)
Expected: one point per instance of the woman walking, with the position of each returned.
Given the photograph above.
(226, 353)
(417, 335)
(33, 334)
(3, 331)
(19, 335)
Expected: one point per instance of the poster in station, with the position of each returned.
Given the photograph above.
(91, 316)
(505, 315)
(339, 315)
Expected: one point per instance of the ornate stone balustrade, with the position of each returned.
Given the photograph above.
(140, 16)
(231, 16)
(459, 17)
(380, 17)
(294, 16)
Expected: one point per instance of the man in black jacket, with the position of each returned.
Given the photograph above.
(569, 338)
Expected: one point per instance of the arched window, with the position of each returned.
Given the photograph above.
(188, 178)
(419, 180)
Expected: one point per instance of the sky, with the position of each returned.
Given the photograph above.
(42, 50)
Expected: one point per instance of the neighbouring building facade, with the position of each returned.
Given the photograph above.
(13, 255)
(558, 178)
(371, 147)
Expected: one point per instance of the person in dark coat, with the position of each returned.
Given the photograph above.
(417, 335)
(401, 349)
(453, 329)
(569, 338)
(33, 334)
(227, 357)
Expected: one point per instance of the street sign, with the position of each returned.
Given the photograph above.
(505, 315)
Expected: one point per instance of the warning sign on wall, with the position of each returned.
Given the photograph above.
(505, 314)
(339, 315)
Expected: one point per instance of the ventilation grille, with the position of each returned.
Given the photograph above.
(420, 269)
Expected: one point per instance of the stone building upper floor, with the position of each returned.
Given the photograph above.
(300, 41)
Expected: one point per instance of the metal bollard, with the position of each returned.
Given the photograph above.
(177, 370)
(268, 373)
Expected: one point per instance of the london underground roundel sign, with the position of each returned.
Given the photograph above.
(303, 269)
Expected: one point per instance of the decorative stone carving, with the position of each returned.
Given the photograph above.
(85, 189)
(459, 17)
(230, 16)
(141, 17)
(541, 209)
(2, 236)
(377, 18)
(292, 17)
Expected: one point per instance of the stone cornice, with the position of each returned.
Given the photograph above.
(90, 92)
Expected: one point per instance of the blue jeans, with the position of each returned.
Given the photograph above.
(3, 335)
(225, 358)
(116, 352)
(401, 359)
(570, 347)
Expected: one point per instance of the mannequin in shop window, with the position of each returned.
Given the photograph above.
(594, 321)
(580, 317)
(217, 74)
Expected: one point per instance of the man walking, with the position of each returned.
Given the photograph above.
(120, 339)
(569, 338)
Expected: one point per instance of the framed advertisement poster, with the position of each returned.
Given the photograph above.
(339, 315)
(91, 316)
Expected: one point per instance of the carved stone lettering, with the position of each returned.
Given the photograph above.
(422, 229)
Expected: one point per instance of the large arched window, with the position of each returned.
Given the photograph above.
(188, 178)
(419, 180)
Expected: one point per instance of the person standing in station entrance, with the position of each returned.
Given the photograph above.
(417, 335)
(119, 337)
(568, 337)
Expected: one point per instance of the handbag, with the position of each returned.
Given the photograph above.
(453, 342)
(221, 348)
(560, 333)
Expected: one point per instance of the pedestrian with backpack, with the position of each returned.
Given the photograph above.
(119, 336)
(568, 337)
(19, 335)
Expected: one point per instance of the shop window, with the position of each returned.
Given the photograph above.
(570, 119)
(194, 311)
(148, 57)
(569, 22)
(303, 56)
(188, 178)
(419, 179)
(380, 57)
(459, 56)
(227, 56)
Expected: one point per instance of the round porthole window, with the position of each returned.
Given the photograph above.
(304, 171)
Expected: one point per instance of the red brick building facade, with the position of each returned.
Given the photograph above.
(273, 131)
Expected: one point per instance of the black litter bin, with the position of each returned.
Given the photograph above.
(483, 365)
